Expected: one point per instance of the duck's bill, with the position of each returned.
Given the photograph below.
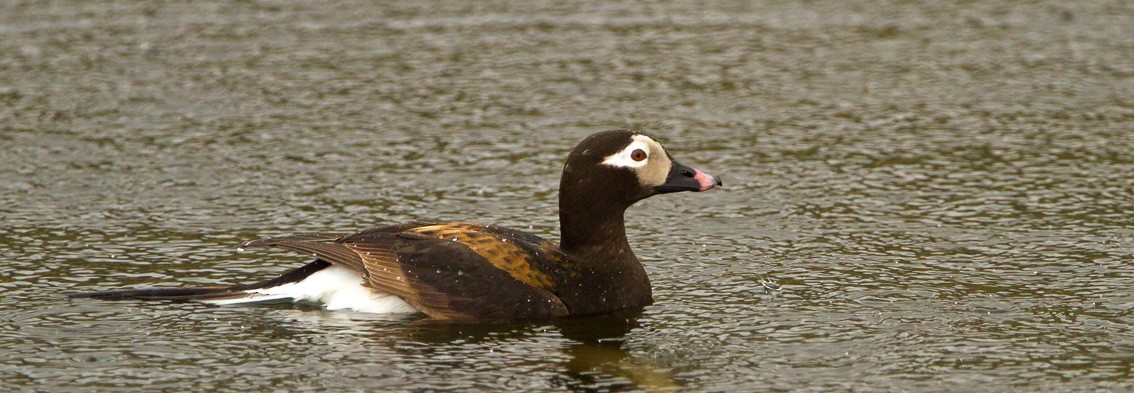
(684, 178)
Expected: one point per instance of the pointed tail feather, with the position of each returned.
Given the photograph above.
(158, 293)
(232, 294)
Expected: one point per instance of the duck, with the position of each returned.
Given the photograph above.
(472, 272)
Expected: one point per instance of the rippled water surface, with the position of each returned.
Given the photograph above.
(918, 195)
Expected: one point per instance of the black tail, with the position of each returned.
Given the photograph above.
(199, 293)
(205, 293)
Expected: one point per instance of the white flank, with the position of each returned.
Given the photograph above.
(337, 288)
(622, 159)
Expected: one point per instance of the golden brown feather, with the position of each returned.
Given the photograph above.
(499, 252)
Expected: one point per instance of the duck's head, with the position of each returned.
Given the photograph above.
(614, 169)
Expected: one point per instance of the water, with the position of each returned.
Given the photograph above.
(942, 194)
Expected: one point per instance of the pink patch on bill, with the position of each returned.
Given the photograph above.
(707, 181)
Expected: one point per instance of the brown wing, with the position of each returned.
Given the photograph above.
(454, 271)
(322, 246)
(328, 246)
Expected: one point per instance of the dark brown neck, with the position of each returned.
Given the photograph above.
(609, 275)
(592, 230)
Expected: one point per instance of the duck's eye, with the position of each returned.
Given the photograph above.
(638, 155)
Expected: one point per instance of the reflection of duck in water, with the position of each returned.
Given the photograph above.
(598, 361)
(597, 357)
(471, 272)
(609, 367)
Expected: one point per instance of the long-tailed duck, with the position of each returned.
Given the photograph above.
(465, 271)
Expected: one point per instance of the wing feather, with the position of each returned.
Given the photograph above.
(325, 247)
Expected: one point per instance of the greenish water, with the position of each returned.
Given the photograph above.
(944, 194)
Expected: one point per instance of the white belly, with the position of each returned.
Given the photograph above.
(335, 287)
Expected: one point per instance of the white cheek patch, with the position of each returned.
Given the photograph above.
(622, 159)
